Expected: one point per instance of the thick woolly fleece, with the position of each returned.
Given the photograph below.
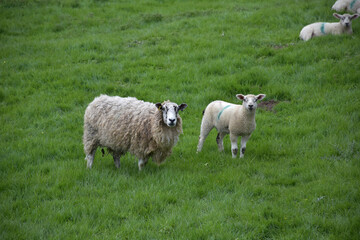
(129, 125)
(347, 5)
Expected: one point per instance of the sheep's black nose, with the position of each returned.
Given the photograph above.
(172, 120)
(251, 106)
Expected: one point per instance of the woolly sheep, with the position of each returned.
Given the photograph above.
(130, 125)
(322, 28)
(347, 5)
(238, 120)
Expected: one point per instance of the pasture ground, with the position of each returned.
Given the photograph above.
(300, 175)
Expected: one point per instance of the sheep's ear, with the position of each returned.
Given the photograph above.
(337, 15)
(260, 97)
(159, 106)
(354, 16)
(182, 106)
(240, 97)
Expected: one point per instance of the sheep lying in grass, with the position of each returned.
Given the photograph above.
(322, 28)
(238, 120)
(347, 5)
(129, 125)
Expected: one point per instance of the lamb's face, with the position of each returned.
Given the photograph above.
(170, 112)
(346, 19)
(250, 101)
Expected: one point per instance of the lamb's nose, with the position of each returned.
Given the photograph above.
(251, 106)
(172, 120)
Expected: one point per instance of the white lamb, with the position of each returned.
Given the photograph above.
(347, 5)
(323, 28)
(130, 125)
(238, 120)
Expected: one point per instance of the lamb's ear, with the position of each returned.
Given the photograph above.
(158, 106)
(337, 15)
(182, 106)
(240, 97)
(352, 17)
(260, 97)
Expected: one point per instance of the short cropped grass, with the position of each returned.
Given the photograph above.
(301, 173)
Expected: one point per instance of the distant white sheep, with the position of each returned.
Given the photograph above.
(129, 125)
(322, 28)
(347, 5)
(238, 120)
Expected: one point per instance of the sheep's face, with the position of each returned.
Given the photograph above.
(170, 112)
(346, 19)
(250, 101)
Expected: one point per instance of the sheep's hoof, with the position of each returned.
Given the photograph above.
(89, 162)
(141, 164)
(117, 164)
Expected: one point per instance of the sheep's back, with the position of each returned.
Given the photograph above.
(341, 5)
(120, 122)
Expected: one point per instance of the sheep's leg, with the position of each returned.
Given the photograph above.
(142, 163)
(219, 140)
(244, 139)
(90, 144)
(90, 147)
(90, 158)
(234, 145)
(204, 132)
(116, 156)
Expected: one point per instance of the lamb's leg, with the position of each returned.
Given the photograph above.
(142, 163)
(204, 132)
(244, 139)
(219, 140)
(234, 145)
(116, 156)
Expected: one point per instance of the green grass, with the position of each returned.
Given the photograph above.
(301, 173)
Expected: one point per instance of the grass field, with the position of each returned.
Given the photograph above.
(300, 176)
